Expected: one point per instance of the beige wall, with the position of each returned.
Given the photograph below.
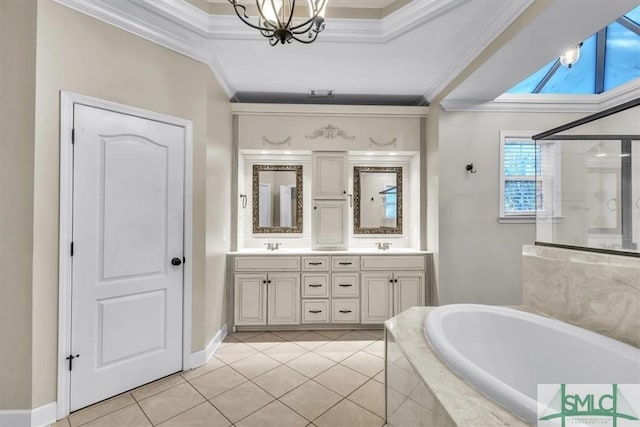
(218, 207)
(17, 116)
(80, 54)
(479, 260)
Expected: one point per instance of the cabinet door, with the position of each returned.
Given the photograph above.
(329, 224)
(250, 299)
(283, 299)
(376, 297)
(408, 291)
(329, 178)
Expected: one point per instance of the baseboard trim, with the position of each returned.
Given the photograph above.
(203, 356)
(37, 417)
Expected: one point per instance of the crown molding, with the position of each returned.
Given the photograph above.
(550, 103)
(502, 21)
(243, 109)
(184, 28)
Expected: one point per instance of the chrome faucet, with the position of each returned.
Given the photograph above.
(272, 246)
(383, 246)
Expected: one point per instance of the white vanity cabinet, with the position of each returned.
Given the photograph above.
(266, 290)
(328, 224)
(326, 289)
(329, 178)
(283, 299)
(399, 286)
(329, 212)
(267, 299)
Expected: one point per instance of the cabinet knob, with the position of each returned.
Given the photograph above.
(315, 207)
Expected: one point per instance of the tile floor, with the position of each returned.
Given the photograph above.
(284, 379)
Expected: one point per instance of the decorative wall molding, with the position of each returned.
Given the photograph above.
(37, 417)
(201, 357)
(286, 141)
(550, 103)
(329, 132)
(383, 144)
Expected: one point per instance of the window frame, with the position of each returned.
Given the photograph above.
(523, 216)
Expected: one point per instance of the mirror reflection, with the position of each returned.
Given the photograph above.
(277, 198)
(377, 200)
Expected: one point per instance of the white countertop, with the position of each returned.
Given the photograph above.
(354, 251)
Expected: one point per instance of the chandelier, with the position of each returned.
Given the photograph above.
(278, 21)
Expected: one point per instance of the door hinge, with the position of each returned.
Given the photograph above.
(71, 248)
(70, 359)
(73, 136)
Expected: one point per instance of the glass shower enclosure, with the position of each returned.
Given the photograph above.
(588, 182)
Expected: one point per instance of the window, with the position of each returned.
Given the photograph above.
(520, 160)
(390, 201)
(608, 59)
(529, 177)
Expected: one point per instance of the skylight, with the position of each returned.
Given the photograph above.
(609, 58)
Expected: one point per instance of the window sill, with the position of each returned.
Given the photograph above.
(517, 220)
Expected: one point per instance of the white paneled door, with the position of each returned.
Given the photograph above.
(128, 204)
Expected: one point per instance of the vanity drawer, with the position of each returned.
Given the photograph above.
(344, 284)
(315, 263)
(267, 263)
(345, 311)
(393, 262)
(344, 263)
(315, 285)
(315, 311)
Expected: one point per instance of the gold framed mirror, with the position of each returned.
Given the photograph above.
(377, 198)
(277, 198)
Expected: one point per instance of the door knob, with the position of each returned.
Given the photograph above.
(176, 261)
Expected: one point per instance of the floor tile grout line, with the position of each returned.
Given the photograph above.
(144, 413)
(104, 415)
(270, 394)
(179, 373)
(356, 403)
(180, 413)
(264, 373)
(251, 413)
(209, 402)
(323, 386)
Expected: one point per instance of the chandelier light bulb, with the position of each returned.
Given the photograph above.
(278, 22)
(571, 56)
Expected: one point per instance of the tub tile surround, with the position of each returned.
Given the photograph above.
(423, 391)
(599, 292)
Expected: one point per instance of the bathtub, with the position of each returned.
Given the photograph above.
(506, 353)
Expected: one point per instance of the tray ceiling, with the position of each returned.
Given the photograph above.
(425, 48)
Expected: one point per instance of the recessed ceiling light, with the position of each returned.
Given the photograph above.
(393, 153)
(264, 152)
(370, 153)
(288, 152)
